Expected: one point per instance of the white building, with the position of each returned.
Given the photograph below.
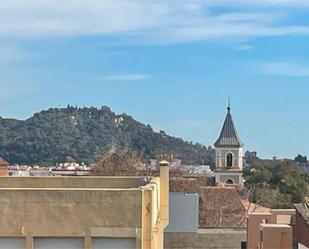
(203, 170)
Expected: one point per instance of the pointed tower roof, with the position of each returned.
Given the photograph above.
(228, 136)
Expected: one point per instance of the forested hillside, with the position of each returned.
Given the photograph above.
(276, 184)
(85, 134)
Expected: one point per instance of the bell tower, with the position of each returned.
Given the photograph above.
(229, 154)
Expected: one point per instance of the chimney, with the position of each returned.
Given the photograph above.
(164, 193)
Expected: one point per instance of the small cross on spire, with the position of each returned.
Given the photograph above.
(229, 105)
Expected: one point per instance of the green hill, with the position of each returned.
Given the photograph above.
(85, 134)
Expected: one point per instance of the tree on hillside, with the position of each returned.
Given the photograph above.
(87, 133)
(290, 181)
(276, 185)
(70, 159)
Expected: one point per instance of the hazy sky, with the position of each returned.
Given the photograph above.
(172, 64)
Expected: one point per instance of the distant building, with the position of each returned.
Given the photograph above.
(153, 163)
(66, 169)
(175, 163)
(63, 172)
(41, 171)
(253, 153)
(3, 167)
(250, 157)
(19, 170)
(202, 170)
(70, 165)
(229, 154)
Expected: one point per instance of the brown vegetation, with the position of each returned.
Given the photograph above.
(114, 165)
(218, 207)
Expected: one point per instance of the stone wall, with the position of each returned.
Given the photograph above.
(208, 238)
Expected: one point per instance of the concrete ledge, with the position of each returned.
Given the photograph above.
(115, 232)
(71, 182)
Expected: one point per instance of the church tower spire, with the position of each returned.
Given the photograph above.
(229, 153)
(228, 136)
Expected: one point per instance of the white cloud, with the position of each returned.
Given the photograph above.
(278, 3)
(286, 69)
(244, 47)
(191, 123)
(149, 21)
(10, 54)
(126, 77)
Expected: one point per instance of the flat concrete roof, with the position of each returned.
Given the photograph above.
(275, 225)
(221, 230)
(71, 182)
(70, 189)
(259, 213)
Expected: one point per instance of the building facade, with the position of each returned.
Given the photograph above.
(84, 212)
(229, 154)
(270, 230)
(187, 211)
(302, 225)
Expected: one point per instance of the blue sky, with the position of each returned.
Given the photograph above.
(172, 64)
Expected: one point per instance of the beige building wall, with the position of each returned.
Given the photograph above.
(3, 170)
(277, 236)
(253, 228)
(276, 219)
(85, 207)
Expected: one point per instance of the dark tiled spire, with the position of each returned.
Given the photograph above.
(228, 136)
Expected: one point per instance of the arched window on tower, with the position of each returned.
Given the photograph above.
(229, 181)
(229, 160)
